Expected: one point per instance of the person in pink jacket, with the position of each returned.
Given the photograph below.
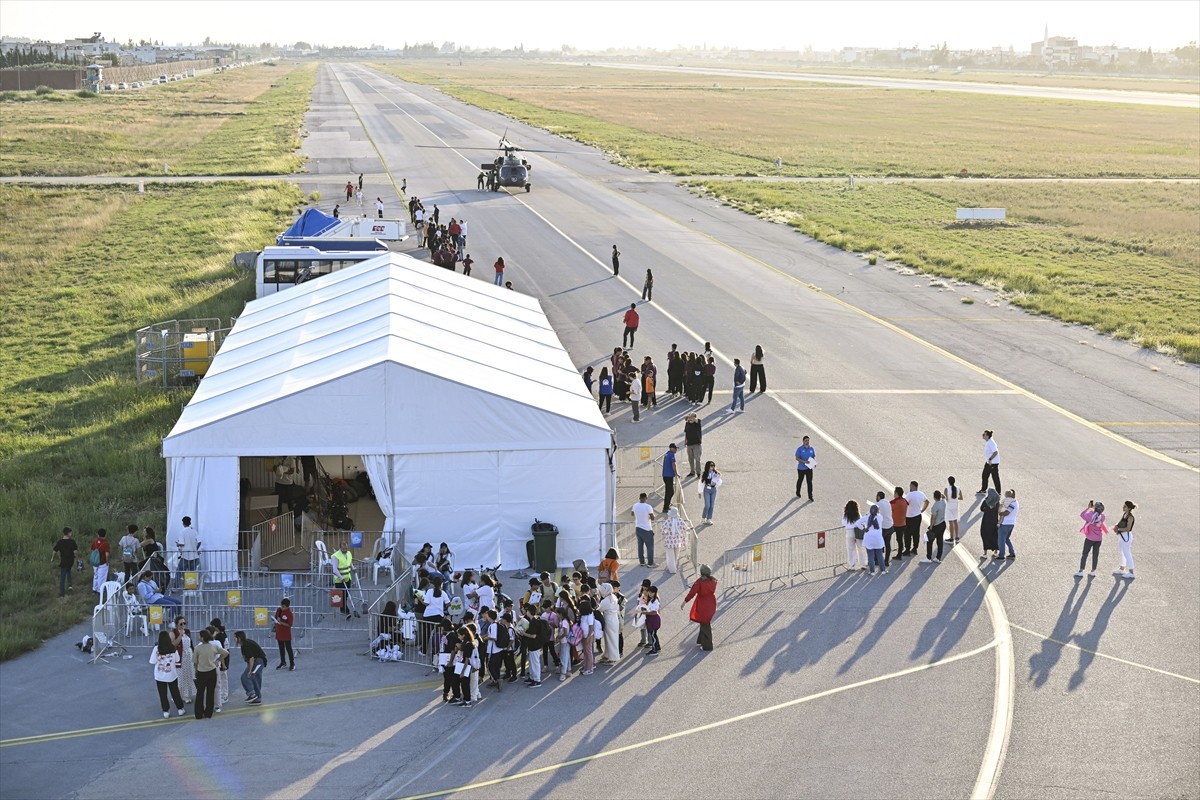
(1093, 531)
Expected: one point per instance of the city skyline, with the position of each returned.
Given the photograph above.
(476, 24)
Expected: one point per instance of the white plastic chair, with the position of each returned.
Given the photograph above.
(381, 544)
(133, 612)
(109, 589)
(321, 557)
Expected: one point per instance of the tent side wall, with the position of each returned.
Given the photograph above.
(483, 503)
(207, 490)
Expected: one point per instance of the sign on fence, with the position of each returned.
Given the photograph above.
(156, 615)
(233, 597)
(287, 580)
(261, 617)
(191, 580)
(758, 552)
(820, 540)
(356, 538)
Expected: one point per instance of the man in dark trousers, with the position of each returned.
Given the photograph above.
(631, 325)
(256, 661)
(616, 259)
(669, 473)
(805, 461)
(360, 181)
(692, 442)
(65, 548)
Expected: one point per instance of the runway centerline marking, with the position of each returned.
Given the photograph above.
(706, 727)
(1004, 698)
(1124, 661)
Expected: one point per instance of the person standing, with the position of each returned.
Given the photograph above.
(499, 267)
(918, 502)
(1093, 531)
(284, 622)
(337, 211)
(1124, 532)
(710, 378)
(739, 387)
(99, 559)
(653, 621)
(806, 461)
(899, 519)
(182, 637)
(206, 661)
(703, 595)
(991, 463)
(873, 541)
(256, 662)
(343, 565)
(360, 179)
(480, 181)
(692, 442)
(606, 390)
(166, 676)
(856, 528)
(631, 326)
(379, 207)
(1008, 520)
(887, 525)
(128, 546)
(349, 191)
(609, 610)
(635, 394)
(531, 640)
(188, 545)
(616, 260)
(989, 523)
(669, 473)
(358, 198)
(648, 287)
(710, 481)
(467, 262)
(218, 631)
(937, 527)
(65, 548)
(649, 383)
(758, 374)
(643, 518)
(588, 380)
(953, 495)
(674, 532)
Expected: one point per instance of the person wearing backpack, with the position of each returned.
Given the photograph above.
(535, 638)
(128, 545)
(99, 560)
(498, 641)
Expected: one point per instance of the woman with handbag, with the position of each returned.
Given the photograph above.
(1124, 532)
(166, 676)
(587, 621)
(710, 481)
(653, 621)
(856, 528)
(704, 605)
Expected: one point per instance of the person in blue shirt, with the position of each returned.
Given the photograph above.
(669, 474)
(606, 390)
(804, 472)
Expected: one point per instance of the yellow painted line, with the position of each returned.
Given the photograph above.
(1110, 658)
(1163, 424)
(286, 705)
(702, 728)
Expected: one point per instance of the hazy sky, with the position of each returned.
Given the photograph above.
(592, 24)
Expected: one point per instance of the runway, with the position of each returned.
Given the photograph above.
(1007, 680)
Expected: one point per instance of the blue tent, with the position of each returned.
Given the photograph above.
(311, 223)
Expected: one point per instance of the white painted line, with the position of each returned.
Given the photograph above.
(1102, 655)
(706, 727)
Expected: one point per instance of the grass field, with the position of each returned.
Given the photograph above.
(242, 122)
(1121, 258)
(687, 128)
(81, 439)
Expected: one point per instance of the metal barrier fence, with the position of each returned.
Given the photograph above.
(126, 625)
(782, 560)
(623, 537)
(640, 466)
(405, 639)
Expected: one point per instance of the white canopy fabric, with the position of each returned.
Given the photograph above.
(437, 381)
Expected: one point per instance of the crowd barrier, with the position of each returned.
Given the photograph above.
(782, 560)
(118, 624)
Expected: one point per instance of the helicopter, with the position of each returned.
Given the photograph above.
(508, 170)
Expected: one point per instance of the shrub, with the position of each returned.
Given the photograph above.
(872, 259)
(970, 301)
(43, 90)
(86, 93)
(314, 196)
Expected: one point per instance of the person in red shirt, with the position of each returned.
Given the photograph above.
(631, 325)
(284, 619)
(100, 561)
(499, 271)
(899, 513)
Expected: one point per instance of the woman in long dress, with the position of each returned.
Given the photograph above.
(182, 639)
(989, 524)
(611, 612)
(674, 531)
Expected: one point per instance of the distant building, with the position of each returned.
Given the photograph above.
(1056, 50)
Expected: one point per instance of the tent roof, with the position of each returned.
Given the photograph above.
(313, 222)
(423, 325)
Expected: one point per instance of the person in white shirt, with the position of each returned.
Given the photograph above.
(873, 540)
(952, 494)
(856, 552)
(1008, 520)
(486, 593)
(643, 517)
(991, 463)
(888, 526)
(188, 545)
(917, 503)
(128, 547)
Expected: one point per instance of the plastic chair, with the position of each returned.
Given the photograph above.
(321, 557)
(381, 544)
(110, 589)
(133, 612)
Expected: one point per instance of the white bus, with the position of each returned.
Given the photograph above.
(296, 261)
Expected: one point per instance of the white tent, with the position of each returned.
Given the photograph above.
(467, 412)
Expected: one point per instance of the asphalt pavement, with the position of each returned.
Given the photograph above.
(1012, 679)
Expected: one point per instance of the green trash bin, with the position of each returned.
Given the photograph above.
(545, 546)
